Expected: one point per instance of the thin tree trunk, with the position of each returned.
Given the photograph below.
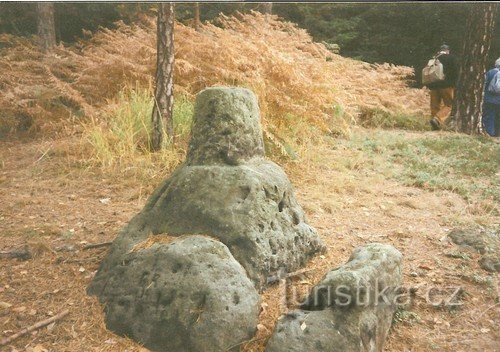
(267, 8)
(45, 25)
(197, 22)
(466, 109)
(162, 122)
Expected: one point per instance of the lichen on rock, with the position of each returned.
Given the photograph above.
(350, 309)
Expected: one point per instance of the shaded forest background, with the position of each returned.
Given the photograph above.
(401, 34)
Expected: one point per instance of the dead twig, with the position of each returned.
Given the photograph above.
(96, 245)
(34, 327)
(21, 254)
(61, 260)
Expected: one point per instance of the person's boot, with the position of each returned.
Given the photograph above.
(435, 124)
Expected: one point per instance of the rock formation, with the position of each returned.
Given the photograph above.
(350, 310)
(237, 223)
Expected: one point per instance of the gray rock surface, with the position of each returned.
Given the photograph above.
(490, 262)
(226, 128)
(330, 321)
(484, 241)
(199, 293)
(229, 191)
(187, 295)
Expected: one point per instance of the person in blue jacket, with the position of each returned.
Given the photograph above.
(491, 104)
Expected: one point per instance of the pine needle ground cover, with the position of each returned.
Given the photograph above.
(84, 183)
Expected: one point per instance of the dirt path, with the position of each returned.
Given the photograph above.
(57, 209)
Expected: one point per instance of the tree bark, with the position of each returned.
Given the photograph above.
(45, 25)
(162, 119)
(466, 109)
(197, 22)
(267, 8)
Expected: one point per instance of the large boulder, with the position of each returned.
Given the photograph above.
(187, 295)
(198, 293)
(228, 190)
(351, 309)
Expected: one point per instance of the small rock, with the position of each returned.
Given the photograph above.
(329, 321)
(105, 200)
(490, 262)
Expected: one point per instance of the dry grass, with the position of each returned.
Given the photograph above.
(295, 79)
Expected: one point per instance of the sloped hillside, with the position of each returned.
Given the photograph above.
(290, 73)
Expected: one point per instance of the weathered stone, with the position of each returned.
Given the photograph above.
(225, 190)
(226, 128)
(480, 240)
(187, 295)
(484, 241)
(250, 206)
(330, 321)
(490, 262)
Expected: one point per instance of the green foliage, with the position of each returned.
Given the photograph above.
(405, 316)
(383, 119)
(125, 129)
(183, 117)
(404, 34)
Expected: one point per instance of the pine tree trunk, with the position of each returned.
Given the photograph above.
(267, 8)
(469, 92)
(197, 22)
(162, 123)
(45, 25)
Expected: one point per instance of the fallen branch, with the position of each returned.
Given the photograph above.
(21, 254)
(96, 245)
(34, 327)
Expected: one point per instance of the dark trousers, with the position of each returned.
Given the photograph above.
(491, 118)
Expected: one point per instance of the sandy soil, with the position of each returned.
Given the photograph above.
(56, 208)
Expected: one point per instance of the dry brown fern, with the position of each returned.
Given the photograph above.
(291, 74)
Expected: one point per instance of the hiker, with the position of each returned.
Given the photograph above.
(491, 102)
(440, 77)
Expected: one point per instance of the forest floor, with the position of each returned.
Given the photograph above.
(356, 190)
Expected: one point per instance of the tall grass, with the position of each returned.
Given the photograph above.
(375, 117)
(123, 132)
(121, 135)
